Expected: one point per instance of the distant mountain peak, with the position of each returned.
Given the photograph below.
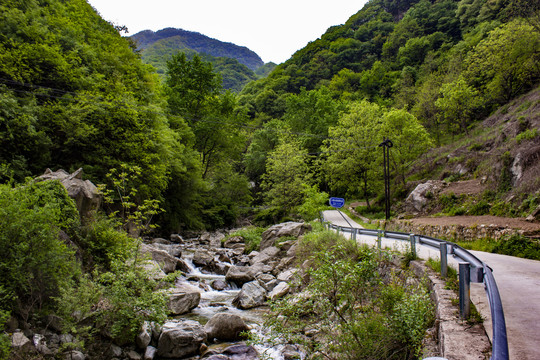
(201, 44)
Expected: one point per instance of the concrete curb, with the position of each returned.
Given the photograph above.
(457, 340)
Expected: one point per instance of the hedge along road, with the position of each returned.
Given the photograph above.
(518, 281)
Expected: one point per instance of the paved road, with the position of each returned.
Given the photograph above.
(518, 281)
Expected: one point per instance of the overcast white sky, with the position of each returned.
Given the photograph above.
(274, 29)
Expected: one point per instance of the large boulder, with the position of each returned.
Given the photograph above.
(251, 295)
(174, 250)
(420, 196)
(167, 262)
(183, 298)
(236, 352)
(225, 327)
(181, 302)
(240, 274)
(279, 291)
(84, 192)
(275, 232)
(265, 255)
(180, 339)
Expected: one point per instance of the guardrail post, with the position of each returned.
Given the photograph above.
(337, 229)
(412, 239)
(353, 235)
(444, 259)
(379, 239)
(464, 290)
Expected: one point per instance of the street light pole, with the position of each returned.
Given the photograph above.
(386, 145)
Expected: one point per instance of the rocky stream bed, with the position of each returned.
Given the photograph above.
(220, 296)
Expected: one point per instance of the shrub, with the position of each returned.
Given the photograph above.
(528, 134)
(251, 235)
(104, 243)
(36, 263)
(519, 246)
(347, 298)
(482, 207)
(114, 303)
(314, 202)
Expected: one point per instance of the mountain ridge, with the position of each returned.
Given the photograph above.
(200, 43)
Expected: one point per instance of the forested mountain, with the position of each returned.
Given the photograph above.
(419, 72)
(453, 85)
(201, 44)
(237, 65)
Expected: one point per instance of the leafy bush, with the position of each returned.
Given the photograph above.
(372, 212)
(114, 303)
(358, 310)
(314, 202)
(104, 243)
(519, 246)
(251, 235)
(36, 262)
(482, 207)
(269, 216)
(528, 134)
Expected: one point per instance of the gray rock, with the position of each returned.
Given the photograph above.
(133, 355)
(241, 352)
(174, 250)
(150, 353)
(219, 285)
(161, 241)
(279, 291)
(153, 270)
(74, 355)
(182, 301)
(240, 274)
(167, 262)
(265, 255)
(234, 242)
(180, 339)
(287, 275)
(177, 239)
(86, 195)
(225, 327)
(20, 342)
(145, 336)
(202, 258)
(419, 197)
(40, 343)
(275, 232)
(251, 295)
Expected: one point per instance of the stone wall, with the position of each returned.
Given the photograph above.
(453, 232)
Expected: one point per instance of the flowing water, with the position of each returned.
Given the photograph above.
(213, 302)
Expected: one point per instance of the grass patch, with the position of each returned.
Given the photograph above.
(252, 236)
(516, 245)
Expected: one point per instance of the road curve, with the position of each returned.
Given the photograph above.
(518, 281)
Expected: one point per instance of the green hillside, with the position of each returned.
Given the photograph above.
(237, 65)
(397, 69)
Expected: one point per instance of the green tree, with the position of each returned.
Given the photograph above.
(350, 162)
(410, 139)
(311, 113)
(286, 174)
(457, 104)
(507, 62)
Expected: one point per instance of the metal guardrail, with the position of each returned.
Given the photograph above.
(477, 270)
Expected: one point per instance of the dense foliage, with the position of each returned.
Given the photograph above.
(351, 304)
(237, 65)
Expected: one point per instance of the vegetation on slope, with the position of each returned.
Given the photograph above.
(237, 65)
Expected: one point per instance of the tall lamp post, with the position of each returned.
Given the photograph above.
(386, 145)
